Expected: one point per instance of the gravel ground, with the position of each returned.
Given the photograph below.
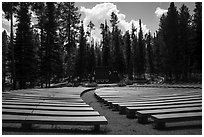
(120, 125)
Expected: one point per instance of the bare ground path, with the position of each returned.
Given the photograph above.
(120, 125)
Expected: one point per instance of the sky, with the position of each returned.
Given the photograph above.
(128, 13)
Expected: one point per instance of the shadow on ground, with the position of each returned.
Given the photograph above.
(53, 130)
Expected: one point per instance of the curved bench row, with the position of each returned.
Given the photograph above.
(162, 108)
(169, 86)
(56, 106)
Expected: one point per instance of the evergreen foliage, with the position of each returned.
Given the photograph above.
(24, 49)
(10, 8)
(197, 27)
(5, 60)
(106, 44)
(58, 49)
(141, 53)
(128, 55)
(81, 56)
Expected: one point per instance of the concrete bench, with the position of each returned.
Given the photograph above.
(116, 105)
(16, 111)
(131, 111)
(42, 100)
(103, 98)
(19, 103)
(47, 104)
(122, 107)
(141, 99)
(49, 112)
(43, 97)
(54, 108)
(28, 121)
(145, 114)
(160, 120)
(149, 95)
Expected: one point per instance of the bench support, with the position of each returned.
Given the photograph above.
(142, 119)
(130, 114)
(159, 125)
(114, 108)
(122, 110)
(26, 125)
(96, 127)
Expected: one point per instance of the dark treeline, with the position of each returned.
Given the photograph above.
(58, 48)
(180, 43)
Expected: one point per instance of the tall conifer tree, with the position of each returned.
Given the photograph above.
(197, 25)
(24, 49)
(184, 38)
(5, 44)
(128, 55)
(10, 8)
(141, 52)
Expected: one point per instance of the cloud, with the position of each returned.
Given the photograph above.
(159, 12)
(101, 12)
(5, 23)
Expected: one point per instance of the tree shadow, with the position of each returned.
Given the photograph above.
(181, 127)
(54, 130)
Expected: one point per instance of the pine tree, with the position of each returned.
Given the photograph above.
(5, 44)
(106, 44)
(40, 10)
(90, 49)
(80, 60)
(171, 41)
(98, 55)
(128, 55)
(160, 39)
(53, 51)
(141, 52)
(150, 54)
(184, 38)
(37, 50)
(10, 8)
(68, 19)
(157, 54)
(169, 36)
(90, 27)
(197, 25)
(24, 48)
(114, 21)
(68, 27)
(118, 58)
(91, 60)
(134, 49)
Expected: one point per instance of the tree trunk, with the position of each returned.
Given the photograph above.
(12, 50)
(41, 58)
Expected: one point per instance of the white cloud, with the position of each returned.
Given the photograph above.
(159, 12)
(6, 23)
(102, 12)
(6, 31)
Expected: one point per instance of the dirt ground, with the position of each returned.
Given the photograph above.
(117, 124)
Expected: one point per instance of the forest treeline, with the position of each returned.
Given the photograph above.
(58, 48)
